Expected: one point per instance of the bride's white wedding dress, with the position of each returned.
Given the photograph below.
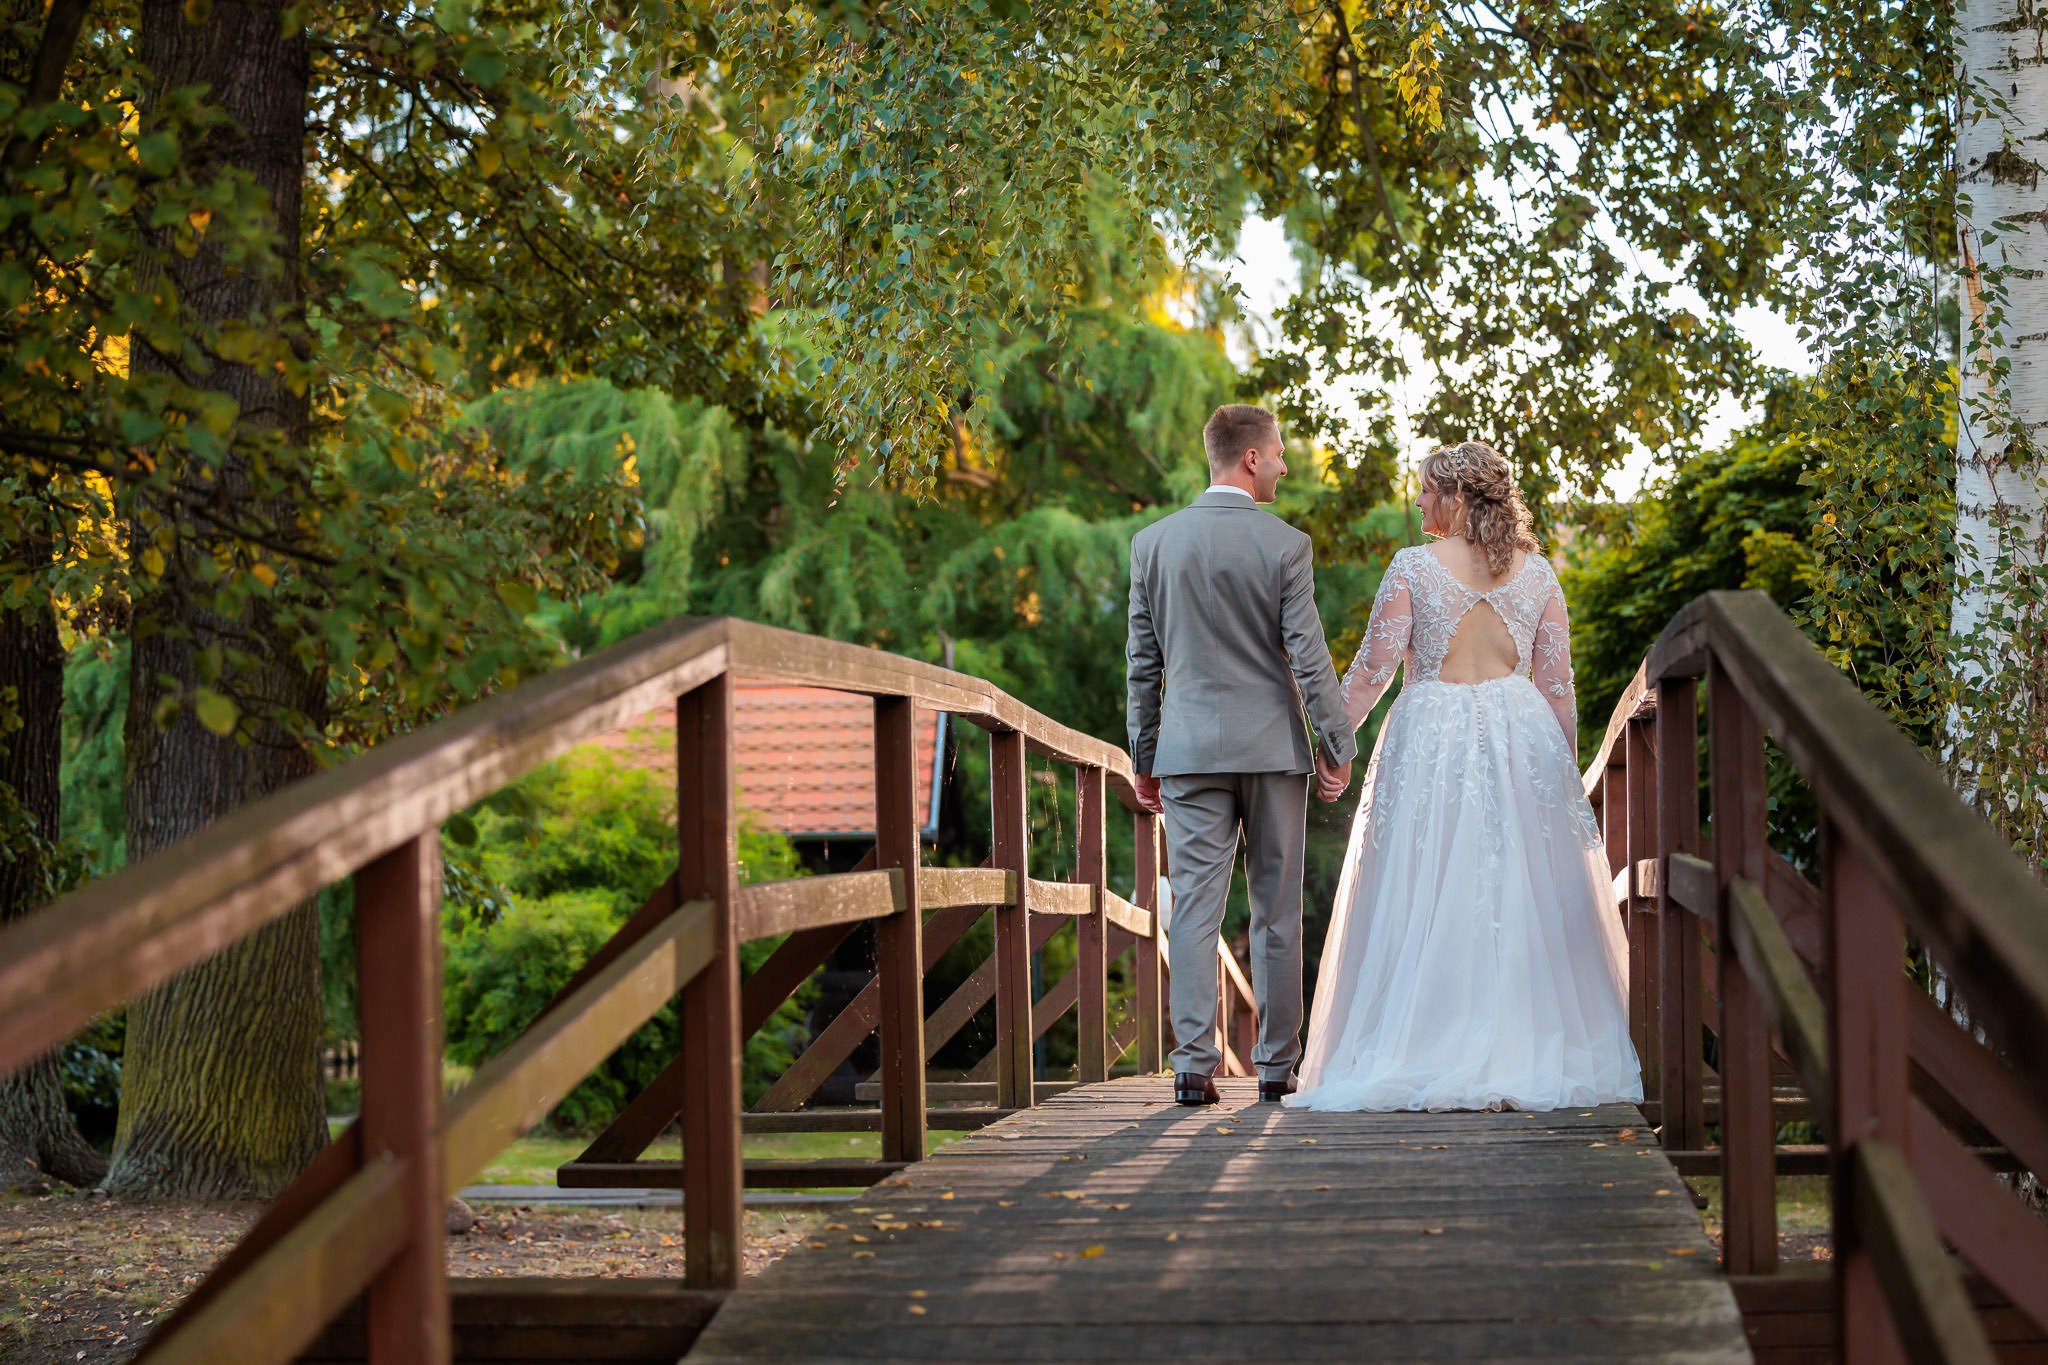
(1474, 958)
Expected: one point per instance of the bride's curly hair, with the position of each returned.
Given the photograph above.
(1495, 515)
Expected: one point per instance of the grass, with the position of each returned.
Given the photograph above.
(533, 1158)
(1802, 1204)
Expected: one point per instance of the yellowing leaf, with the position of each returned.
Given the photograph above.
(488, 157)
(153, 562)
(520, 598)
(263, 574)
(1090, 1253)
(216, 712)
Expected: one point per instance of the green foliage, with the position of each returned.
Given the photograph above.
(948, 165)
(568, 854)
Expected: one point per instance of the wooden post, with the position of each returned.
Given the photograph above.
(1748, 1129)
(1145, 955)
(899, 948)
(1012, 852)
(1678, 831)
(706, 869)
(398, 963)
(1091, 1002)
(1643, 954)
(1867, 1049)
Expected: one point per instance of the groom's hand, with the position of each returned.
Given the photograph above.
(1148, 793)
(1331, 781)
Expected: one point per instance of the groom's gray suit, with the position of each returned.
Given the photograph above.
(1225, 654)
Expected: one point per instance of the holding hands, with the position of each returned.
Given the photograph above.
(1331, 780)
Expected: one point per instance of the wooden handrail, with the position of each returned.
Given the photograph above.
(120, 935)
(1816, 975)
(1955, 881)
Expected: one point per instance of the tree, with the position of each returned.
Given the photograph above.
(250, 257)
(2001, 583)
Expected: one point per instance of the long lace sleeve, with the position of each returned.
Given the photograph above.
(1386, 641)
(1552, 665)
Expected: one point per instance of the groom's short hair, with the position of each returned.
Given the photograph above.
(1233, 429)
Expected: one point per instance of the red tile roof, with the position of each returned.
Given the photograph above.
(806, 757)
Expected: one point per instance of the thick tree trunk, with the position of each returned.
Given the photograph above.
(221, 1088)
(2001, 476)
(37, 1136)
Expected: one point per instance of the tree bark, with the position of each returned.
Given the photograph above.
(37, 1135)
(221, 1088)
(2001, 476)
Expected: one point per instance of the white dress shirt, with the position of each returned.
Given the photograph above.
(1227, 488)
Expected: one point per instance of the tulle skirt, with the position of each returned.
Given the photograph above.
(1474, 957)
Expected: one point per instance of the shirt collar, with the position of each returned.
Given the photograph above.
(1230, 488)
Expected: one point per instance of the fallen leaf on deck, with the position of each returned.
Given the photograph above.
(917, 1308)
(1627, 1135)
(1320, 1188)
(947, 1195)
(860, 1237)
(1596, 1144)
(1173, 1237)
(1663, 1191)
(835, 1227)
(920, 1293)
(1432, 1232)
(863, 1255)
(1090, 1253)
(1683, 1251)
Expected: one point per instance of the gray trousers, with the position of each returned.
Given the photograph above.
(1205, 813)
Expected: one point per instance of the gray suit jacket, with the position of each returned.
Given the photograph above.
(1225, 647)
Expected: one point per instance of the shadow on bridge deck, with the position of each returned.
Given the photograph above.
(1110, 1224)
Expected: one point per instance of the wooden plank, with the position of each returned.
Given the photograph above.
(867, 1120)
(964, 1092)
(1922, 1290)
(759, 1175)
(899, 948)
(280, 1302)
(1126, 916)
(515, 1089)
(1147, 994)
(851, 1026)
(707, 869)
(1788, 998)
(1637, 699)
(769, 908)
(531, 1319)
(939, 887)
(1639, 848)
(1736, 745)
(1868, 1091)
(2006, 1241)
(114, 938)
(1091, 959)
(1691, 884)
(1678, 975)
(398, 968)
(1010, 825)
(1061, 898)
(1947, 1058)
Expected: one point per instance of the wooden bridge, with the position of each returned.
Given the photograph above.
(1092, 1218)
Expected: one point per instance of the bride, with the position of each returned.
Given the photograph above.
(1474, 959)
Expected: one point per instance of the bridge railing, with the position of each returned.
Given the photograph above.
(1737, 959)
(366, 1218)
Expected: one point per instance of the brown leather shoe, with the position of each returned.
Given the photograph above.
(1191, 1087)
(1272, 1092)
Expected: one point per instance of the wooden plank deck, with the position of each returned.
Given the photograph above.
(1109, 1224)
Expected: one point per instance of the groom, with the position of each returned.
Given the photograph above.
(1226, 651)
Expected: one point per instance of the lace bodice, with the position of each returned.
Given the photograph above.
(1418, 608)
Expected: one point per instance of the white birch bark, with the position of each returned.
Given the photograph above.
(2002, 228)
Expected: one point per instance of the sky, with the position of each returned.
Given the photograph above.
(1263, 268)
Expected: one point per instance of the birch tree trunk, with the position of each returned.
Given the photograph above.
(221, 1093)
(2001, 641)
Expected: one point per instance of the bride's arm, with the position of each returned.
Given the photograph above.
(1552, 667)
(1386, 641)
